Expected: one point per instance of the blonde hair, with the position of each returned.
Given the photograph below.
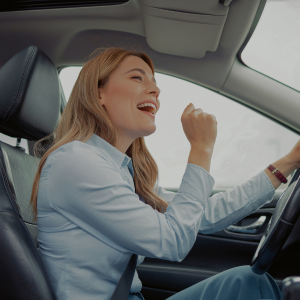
(84, 115)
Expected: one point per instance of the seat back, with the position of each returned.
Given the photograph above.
(29, 108)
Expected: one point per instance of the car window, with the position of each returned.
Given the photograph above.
(13, 141)
(273, 49)
(247, 142)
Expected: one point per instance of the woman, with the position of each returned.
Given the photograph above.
(96, 197)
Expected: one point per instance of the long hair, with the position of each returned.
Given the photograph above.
(84, 115)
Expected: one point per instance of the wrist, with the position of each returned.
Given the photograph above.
(292, 161)
(286, 165)
(200, 156)
(277, 173)
(201, 149)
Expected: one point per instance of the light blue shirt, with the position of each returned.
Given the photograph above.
(90, 220)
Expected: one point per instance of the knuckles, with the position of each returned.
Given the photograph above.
(198, 114)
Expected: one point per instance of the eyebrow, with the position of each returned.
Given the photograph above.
(141, 71)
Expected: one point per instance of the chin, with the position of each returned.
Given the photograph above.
(149, 132)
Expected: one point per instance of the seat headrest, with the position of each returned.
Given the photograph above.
(29, 95)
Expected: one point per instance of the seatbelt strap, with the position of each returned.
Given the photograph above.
(123, 287)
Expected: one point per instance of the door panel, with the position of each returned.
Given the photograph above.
(215, 253)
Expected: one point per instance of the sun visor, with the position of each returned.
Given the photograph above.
(184, 28)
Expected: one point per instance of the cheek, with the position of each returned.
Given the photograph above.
(121, 93)
(121, 104)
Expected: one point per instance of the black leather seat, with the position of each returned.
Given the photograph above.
(30, 106)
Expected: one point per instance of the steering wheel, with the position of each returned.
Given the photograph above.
(279, 228)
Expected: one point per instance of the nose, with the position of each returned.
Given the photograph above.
(154, 90)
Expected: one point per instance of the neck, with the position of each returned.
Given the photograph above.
(123, 143)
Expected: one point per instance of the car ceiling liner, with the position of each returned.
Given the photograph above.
(19, 5)
(184, 28)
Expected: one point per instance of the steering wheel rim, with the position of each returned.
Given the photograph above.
(279, 228)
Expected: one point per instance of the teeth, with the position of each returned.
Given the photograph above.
(148, 104)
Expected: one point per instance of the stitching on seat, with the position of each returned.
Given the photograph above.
(7, 185)
(21, 85)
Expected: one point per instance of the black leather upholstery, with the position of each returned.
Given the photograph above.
(29, 108)
(30, 95)
(20, 163)
(23, 275)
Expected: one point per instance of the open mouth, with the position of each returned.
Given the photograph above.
(148, 109)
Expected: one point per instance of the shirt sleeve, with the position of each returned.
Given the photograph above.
(90, 192)
(226, 208)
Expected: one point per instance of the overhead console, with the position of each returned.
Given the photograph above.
(185, 28)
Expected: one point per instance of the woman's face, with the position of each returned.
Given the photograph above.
(131, 84)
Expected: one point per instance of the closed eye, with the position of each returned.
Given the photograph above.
(139, 77)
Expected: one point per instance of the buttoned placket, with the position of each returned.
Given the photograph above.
(128, 174)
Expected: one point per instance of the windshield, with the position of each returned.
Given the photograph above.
(275, 44)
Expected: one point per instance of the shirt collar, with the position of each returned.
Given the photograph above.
(120, 158)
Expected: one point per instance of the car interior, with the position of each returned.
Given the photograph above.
(199, 41)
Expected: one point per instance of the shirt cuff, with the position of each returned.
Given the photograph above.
(265, 191)
(196, 182)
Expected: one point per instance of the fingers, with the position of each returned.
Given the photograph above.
(198, 111)
(188, 109)
(214, 118)
(199, 127)
(191, 109)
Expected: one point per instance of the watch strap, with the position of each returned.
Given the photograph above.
(277, 173)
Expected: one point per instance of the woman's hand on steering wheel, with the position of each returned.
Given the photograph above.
(286, 165)
(286, 213)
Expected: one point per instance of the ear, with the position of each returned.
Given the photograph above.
(101, 96)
